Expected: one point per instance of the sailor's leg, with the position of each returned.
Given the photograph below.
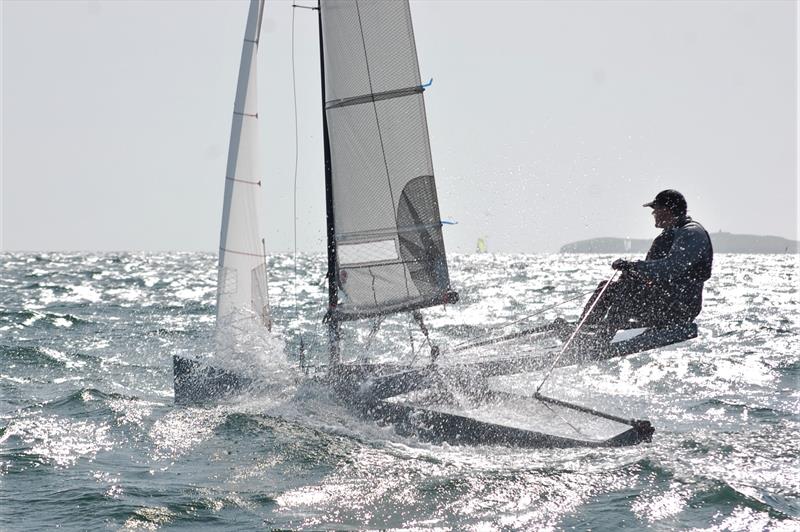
(591, 301)
(610, 298)
(629, 303)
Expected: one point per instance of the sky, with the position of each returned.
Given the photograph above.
(549, 122)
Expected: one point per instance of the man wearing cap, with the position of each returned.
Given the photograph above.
(666, 287)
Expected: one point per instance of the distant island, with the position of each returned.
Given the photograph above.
(722, 242)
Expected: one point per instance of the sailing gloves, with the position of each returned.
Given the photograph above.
(621, 265)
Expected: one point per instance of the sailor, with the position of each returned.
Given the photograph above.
(665, 288)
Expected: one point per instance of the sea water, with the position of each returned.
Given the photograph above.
(90, 438)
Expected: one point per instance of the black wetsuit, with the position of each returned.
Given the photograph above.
(666, 287)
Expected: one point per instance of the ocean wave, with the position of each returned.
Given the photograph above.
(45, 356)
(88, 407)
(54, 439)
(721, 494)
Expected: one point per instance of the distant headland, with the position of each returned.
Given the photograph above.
(722, 242)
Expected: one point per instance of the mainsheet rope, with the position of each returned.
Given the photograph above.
(575, 332)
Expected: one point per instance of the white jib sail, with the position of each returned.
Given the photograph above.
(242, 275)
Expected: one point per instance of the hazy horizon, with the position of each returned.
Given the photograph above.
(321, 251)
(549, 122)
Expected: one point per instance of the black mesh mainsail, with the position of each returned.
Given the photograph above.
(388, 231)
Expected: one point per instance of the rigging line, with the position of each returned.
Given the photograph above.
(524, 318)
(314, 343)
(575, 332)
(372, 333)
(380, 135)
(374, 294)
(296, 159)
(411, 341)
(417, 315)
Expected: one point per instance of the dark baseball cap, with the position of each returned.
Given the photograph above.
(671, 199)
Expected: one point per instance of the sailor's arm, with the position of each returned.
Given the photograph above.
(688, 248)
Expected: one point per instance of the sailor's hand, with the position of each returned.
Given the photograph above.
(621, 265)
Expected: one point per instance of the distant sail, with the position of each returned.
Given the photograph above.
(388, 231)
(480, 247)
(242, 275)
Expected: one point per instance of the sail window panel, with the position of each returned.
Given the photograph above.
(233, 291)
(226, 280)
(367, 252)
(227, 291)
(242, 285)
(243, 280)
(259, 297)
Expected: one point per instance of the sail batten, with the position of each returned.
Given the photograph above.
(387, 228)
(242, 274)
(374, 97)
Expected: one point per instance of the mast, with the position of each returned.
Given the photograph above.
(333, 295)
